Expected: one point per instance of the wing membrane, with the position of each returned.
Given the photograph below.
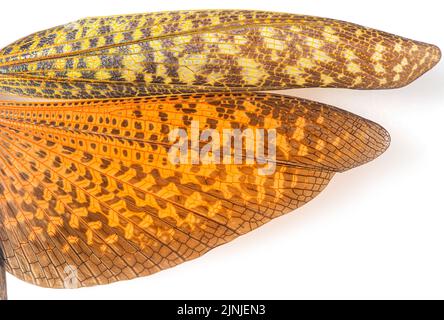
(198, 51)
(86, 185)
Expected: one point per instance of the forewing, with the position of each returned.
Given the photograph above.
(200, 51)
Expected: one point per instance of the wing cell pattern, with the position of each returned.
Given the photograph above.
(206, 51)
(88, 185)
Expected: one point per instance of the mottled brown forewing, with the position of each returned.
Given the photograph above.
(201, 51)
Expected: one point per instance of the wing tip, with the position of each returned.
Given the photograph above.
(377, 142)
(425, 58)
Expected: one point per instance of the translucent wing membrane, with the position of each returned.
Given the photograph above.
(88, 185)
(198, 51)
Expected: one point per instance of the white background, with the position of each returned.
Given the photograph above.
(376, 231)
